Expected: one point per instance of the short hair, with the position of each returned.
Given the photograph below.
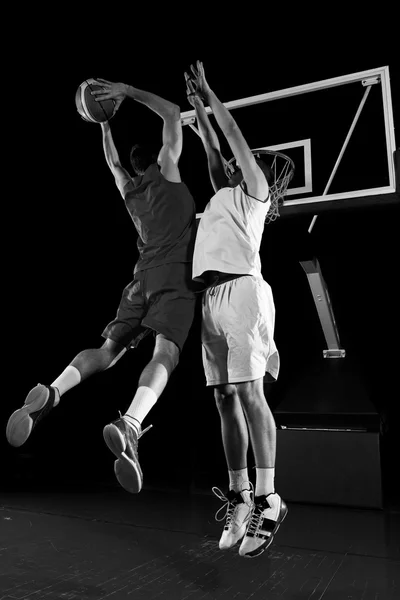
(141, 157)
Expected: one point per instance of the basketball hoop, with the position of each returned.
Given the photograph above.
(282, 168)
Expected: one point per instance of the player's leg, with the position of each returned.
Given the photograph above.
(248, 320)
(235, 441)
(234, 433)
(119, 335)
(237, 500)
(262, 431)
(153, 379)
(42, 398)
(122, 435)
(170, 316)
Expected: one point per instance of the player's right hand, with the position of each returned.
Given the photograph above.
(111, 91)
(199, 80)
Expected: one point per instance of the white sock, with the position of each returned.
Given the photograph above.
(238, 480)
(265, 482)
(68, 379)
(144, 400)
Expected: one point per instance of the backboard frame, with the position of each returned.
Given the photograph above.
(369, 77)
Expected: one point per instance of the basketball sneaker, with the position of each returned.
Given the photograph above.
(238, 506)
(37, 405)
(267, 515)
(122, 439)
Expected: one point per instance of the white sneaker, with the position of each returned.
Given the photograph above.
(268, 513)
(238, 507)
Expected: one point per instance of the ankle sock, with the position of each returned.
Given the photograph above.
(265, 481)
(144, 400)
(68, 379)
(238, 480)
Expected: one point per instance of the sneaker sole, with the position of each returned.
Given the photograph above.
(266, 545)
(125, 469)
(20, 423)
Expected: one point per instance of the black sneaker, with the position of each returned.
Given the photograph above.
(38, 404)
(268, 513)
(122, 440)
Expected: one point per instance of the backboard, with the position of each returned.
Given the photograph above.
(339, 132)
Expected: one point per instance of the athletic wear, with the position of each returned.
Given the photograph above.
(161, 296)
(237, 331)
(267, 515)
(161, 299)
(238, 507)
(122, 440)
(229, 234)
(164, 214)
(38, 404)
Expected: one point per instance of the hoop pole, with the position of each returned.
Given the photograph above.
(194, 129)
(335, 168)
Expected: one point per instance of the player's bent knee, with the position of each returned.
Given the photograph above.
(113, 352)
(166, 352)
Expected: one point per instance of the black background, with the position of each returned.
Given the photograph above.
(70, 247)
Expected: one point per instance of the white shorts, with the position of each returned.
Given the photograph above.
(238, 331)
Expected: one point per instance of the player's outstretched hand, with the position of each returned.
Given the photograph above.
(193, 97)
(199, 80)
(111, 91)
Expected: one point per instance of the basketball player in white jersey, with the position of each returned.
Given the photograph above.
(238, 323)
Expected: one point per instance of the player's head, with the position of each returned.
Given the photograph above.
(236, 177)
(141, 157)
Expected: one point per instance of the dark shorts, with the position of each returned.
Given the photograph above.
(160, 299)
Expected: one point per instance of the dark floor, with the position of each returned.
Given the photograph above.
(105, 543)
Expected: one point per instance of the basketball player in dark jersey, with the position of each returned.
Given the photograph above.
(160, 299)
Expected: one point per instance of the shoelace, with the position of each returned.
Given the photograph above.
(228, 506)
(140, 433)
(256, 519)
(144, 431)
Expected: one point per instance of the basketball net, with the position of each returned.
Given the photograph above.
(282, 168)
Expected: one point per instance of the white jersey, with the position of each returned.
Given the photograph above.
(229, 234)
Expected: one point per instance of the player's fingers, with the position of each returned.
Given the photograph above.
(101, 97)
(193, 68)
(104, 81)
(117, 105)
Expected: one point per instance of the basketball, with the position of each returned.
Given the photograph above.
(89, 109)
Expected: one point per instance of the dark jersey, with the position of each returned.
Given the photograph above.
(164, 215)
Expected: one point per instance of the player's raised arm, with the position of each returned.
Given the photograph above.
(171, 150)
(216, 162)
(121, 175)
(253, 175)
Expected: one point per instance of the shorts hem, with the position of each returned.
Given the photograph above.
(158, 328)
(133, 343)
(241, 379)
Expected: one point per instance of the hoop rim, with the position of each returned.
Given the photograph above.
(271, 152)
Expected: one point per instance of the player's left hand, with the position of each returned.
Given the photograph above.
(111, 91)
(191, 93)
